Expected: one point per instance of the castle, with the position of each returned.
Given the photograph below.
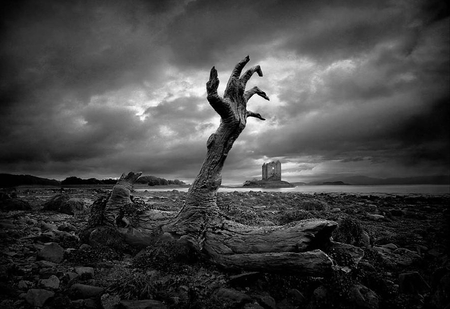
(271, 171)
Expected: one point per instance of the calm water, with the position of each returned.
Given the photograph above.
(391, 189)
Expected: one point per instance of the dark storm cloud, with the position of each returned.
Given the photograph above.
(98, 88)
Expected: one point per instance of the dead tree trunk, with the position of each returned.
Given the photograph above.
(294, 247)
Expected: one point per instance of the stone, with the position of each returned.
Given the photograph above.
(85, 272)
(24, 284)
(45, 264)
(412, 283)
(38, 297)
(231, 298)
(52, 252)
(141, 304)
(376, 217)
(67, 227)
(72, 206)
(363, 297)
(296, 297)
(110, 301)
(266, 301)
(83, 291)
(50, 283)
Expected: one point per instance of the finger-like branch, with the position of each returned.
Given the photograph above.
(256, 115)
(255, 90)
(244, 79)
(219, 105)
(238, 68)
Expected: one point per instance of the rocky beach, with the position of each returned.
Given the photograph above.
(44, 262)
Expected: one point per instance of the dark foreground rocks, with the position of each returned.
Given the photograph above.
(405, 240)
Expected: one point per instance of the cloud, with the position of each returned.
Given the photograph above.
(100, 88)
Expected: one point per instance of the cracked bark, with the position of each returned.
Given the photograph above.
(295, 247)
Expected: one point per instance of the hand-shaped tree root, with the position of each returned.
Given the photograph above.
(295, 247)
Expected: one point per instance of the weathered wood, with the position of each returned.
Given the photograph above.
(310, 263)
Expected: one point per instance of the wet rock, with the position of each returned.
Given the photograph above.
(83, 291)
(85, 272)
(52, 252)
(296, 297)
(141, 304)
(110, 301)
(38, 297)
(396, 212)
(376, 217)
(400, 257)
(231, 298)
(10, 203)
(319, 298)
(56, 201)
(67, 227)
(412, 283)
(51, 283)
(364, 297)
(73, 206)
(266, 301)
(45, 264)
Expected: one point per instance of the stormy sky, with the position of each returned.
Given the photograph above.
(98, 88)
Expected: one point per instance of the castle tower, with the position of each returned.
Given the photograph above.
(271, 171)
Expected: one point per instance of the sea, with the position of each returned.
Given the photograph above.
(350, 189)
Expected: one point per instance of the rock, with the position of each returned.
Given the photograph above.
(50, 283)
(110, 301)
(296, 297)
(52, 252)
(396, 212)
(319, 298)
(412, 283)
(85, 272)
(45, 264)
(363, 297)
(38, 297)
(73, 206)
(83, 291)
(390, 246)
(376, 217)
(400, 257)
(24, 284)
(141, 304)
(266, 301)
(56, 201)
(8, 203)
(67, 227)
(231, 298)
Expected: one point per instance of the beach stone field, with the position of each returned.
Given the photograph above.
(45, 264)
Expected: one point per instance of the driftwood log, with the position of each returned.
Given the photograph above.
(297, 247)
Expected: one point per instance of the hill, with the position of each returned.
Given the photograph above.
(10, 180)
(364, 180)
(157, 181)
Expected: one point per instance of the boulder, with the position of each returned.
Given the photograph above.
(363, 297)
(52, 252)
(83, 291)
(85, 272)
(412, 283)
(38, 297)
(231, 298)
(51, 283)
